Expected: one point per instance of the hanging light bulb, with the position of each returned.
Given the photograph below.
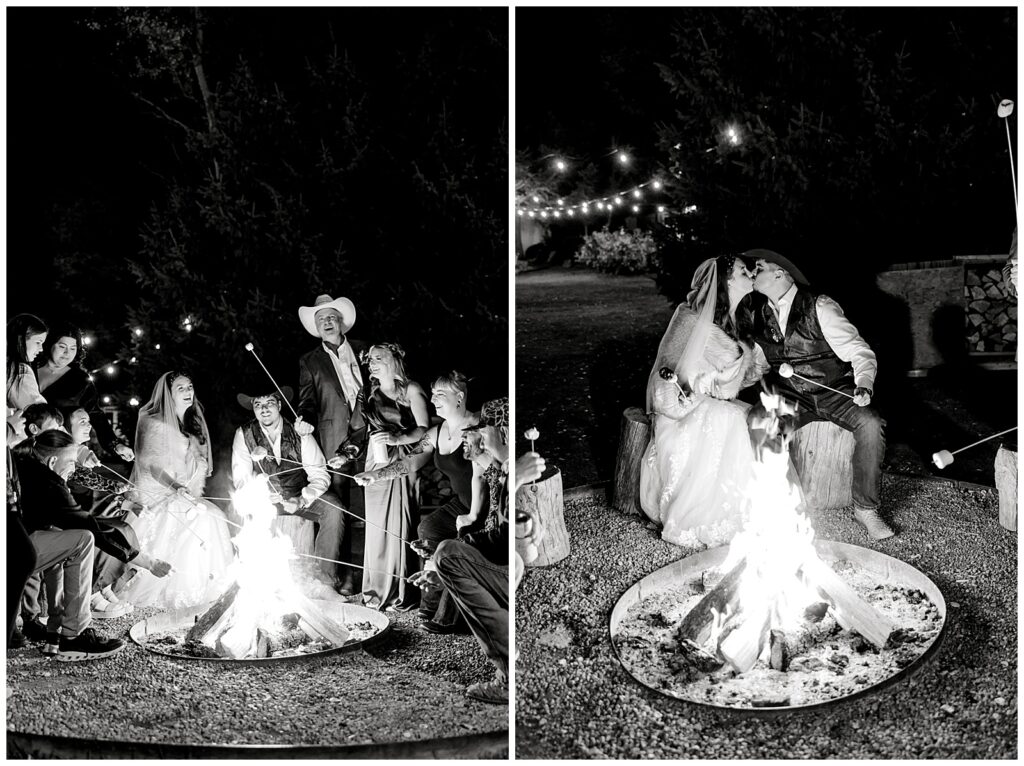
(637, 193)
(134, 401)
(661, 208)
(656, 184)
(536, 198)
(110, 369)
(533, 214)
(600, 206)
(138, 332)
(557, 214)
(157, 346)
(623, 158)
(636, 208)
(86, 340)
(106, 400)
(560, 165)
(519, 212)
(618, 200)
(570, 212)
(543, 213)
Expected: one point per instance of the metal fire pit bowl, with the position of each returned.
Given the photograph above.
(888, 570)
(179, 619)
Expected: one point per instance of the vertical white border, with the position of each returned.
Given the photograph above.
(512, 223)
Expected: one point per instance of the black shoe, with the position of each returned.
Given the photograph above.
(52, 646)
(34, 630)
(88, 645)
(18, 640)
(435, 627)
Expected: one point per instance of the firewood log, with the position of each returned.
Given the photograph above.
(633, 440)
(543, 500)
(327, 627)
(238, 642)
(1006, 485)
(741, 645)
(212, 616)
(850, 610)
(696, 625)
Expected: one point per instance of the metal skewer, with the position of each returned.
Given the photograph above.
(943, 458)
(250, 348)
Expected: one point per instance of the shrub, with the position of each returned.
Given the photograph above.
(617, 252)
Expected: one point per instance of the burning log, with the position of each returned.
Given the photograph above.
(206, 623)
(850, 610)
(742, 641)
(333, 631)
(696, 625)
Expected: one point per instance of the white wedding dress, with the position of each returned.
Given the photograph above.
(197, 544)
(696, 471)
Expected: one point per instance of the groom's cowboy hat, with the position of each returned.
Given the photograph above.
(345, 307)
(779, 260)
(246, 401)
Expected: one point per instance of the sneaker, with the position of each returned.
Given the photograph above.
(34, 630)
(102, 609)
(18, 640)
(495, 692)
(872, 522)
(108, 594)
(52, 646)
(440, 629)
(88, 645)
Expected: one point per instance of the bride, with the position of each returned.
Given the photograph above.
(172, 462)
(694, 474)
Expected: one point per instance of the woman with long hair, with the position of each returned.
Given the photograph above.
(26, 334)
(397, 417)
(695, 472)
(67, 386)
(172, 463)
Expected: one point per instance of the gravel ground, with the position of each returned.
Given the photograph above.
(585, 342)
(574, 700)
(409, 687)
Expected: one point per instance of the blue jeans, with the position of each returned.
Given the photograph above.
(868, 430)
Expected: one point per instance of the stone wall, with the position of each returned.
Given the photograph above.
(991, 313)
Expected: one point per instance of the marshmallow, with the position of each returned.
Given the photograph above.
(786, 370)
(249, 347)
(942, 458)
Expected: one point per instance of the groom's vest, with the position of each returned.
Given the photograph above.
(804, 345)
(289, 484)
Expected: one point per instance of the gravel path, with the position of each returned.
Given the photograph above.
(409, 687)
(574, 700)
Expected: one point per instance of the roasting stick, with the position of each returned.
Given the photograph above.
(316, 465)
(198, 537)
(249, 347)
(354, 566)
(786, 371)
(942, 458)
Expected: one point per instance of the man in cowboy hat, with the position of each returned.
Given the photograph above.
(331, 398)
(791, 324)
(270, 446)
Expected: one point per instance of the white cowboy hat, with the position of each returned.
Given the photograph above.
(345, 307)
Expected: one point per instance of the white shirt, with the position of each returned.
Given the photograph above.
(346, 366)
(843, 338)
(244, 469)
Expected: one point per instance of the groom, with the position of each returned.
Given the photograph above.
(791, 324)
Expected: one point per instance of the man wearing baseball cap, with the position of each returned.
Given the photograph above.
(791, 324)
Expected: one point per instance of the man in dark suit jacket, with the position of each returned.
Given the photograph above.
(331, 400)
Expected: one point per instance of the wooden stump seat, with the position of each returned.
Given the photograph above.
(822, 454)
(543, 500)
(1006, 485)
(633, 439)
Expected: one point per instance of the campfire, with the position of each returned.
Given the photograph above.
(265, 611)
(767, 620)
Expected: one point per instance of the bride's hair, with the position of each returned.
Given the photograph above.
(724, 265)
(401, 379)
(161, 406)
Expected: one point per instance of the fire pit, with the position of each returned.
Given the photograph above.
(167, 633)
(826, 661)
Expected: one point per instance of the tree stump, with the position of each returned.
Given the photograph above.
(297, 529)
(543, 500)
(822, 454)
(633, 440)
(1006, 486)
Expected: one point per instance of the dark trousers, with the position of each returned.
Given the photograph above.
(435, 527)
(21, 563)
(480, 589)
(351, 496)
(868, 430)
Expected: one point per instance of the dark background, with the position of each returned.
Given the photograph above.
(356, 152)
(870, 134)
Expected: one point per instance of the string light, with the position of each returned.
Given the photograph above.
(138, 332)
(106, 400)
(560, 166)
(110, 369)
(636, 208)
(157, 346)
(584, 207)
(133, 360)
(134, 402)
(623, 158)
(86, 340)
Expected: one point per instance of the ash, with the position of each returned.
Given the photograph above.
(833, 663)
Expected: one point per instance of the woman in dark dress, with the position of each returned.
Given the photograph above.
(443, 445)
(67, 386)
(397, 416)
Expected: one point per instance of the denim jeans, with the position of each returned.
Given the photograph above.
(868, 430)
(480, 589)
